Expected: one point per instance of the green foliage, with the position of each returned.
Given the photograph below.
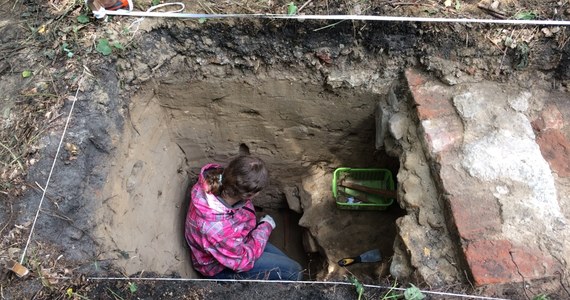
(71, 294)
(118, 45)
(525, 15)
(541, 297)
(391, 294)
(26, 73)
(359, 287)
(83, 19)
(291, 9)
(522, 56)
(133, 287)
(155, 2)
(104, 47)
(65, 48)
(202, 20)
(413, 293)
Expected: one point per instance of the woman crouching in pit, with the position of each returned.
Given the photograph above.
(221, 229)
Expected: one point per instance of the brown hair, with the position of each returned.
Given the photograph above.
(241, 179)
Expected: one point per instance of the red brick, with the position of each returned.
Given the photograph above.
(490, 262)
(442, 134)
(555, 148)
(532, 263)
(550, 118)
(475, 215)
(432, 100)
(475, 211)
(499, 261)
(415, 78)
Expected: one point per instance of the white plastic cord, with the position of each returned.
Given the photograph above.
(138, 21)
(44, 189)
(334, 17)
(292, 282)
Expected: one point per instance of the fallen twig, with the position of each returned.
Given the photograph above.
(8, 221)
(13, 155)
(492, 12)
(303, 6)
(329, 26)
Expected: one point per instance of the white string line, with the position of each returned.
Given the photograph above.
(333, 17)
(138, 21)
(286, 281)
(44, 189)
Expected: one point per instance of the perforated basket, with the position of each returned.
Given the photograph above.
(372, 178)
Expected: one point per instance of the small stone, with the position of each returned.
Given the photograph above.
(207, 41)
(293, 199)
(398, 125)
(546, 32)
(74, 233)
(132, 180)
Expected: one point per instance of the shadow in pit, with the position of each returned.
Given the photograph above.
(362, 230)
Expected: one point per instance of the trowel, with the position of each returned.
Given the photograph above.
(368, 256)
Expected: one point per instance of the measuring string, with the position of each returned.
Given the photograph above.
(178, 14)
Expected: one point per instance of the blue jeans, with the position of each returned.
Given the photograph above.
(272, 265)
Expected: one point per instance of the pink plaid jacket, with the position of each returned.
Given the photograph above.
(220, 236)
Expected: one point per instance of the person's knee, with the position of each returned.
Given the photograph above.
(296, 271)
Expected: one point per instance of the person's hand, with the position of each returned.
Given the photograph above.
(269, 221)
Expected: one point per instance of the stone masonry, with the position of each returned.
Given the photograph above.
(500, 157)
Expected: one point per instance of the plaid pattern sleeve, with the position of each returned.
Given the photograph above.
(236, 249)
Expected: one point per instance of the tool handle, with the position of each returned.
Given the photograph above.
(358, 187)
(349, 261)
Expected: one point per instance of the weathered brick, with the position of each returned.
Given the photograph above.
(415, 78)
(555, 148)
(476, 212)
(475, 215)
(442, 134)
(431, 100)
(533, 263)
(550, 118)
(499, 261)
(490, 261)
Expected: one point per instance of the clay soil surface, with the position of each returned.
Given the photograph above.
(48, 47)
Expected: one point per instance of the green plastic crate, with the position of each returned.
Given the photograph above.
(372, 178)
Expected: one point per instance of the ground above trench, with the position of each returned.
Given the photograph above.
(452, 124)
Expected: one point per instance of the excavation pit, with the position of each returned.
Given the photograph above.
(302, 131)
